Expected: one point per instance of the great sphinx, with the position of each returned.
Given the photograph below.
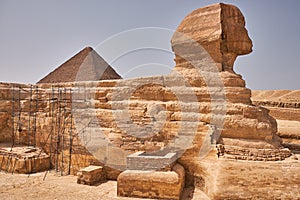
(208, 114)
(227, 147)
(220, 30)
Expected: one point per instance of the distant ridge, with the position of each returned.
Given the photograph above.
(87, 65)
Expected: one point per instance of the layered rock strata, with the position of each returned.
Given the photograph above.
(222, 36)
(23, 159)
(284, 106)
(247, 132)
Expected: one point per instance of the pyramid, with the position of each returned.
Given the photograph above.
(87, 65)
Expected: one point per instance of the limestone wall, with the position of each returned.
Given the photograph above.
(283, 104)
(285, 108)
(124, 112)
(41, 116)
(5, 112)
(88, 114)
(55, 116)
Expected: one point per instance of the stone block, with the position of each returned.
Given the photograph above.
(152, 184)
(91, 175)
(23, 160)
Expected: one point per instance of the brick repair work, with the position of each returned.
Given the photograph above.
(143, 161)
(194, 128)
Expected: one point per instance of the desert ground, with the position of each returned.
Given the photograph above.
(56, 187)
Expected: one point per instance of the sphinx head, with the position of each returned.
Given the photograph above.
(220, 30)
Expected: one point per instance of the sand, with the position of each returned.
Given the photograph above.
(56, 187)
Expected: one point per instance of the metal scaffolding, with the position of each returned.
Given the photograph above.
(61, 130)
(24, 113)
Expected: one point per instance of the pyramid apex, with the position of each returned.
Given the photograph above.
(88, 48)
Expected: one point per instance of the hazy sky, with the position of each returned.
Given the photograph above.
(37, 36)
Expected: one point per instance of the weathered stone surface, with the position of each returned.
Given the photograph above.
(24, 160)
(152, 184)
(221, 32)
(284, 106)
(4, 117)
(220, 29)
(91, 175)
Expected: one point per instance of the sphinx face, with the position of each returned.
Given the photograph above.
(235, 36)
(219, 29)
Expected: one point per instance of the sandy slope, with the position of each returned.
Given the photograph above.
(285, 96)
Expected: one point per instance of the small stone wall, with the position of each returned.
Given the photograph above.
(23, 160)
(243, 153)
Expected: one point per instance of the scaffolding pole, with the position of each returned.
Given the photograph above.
(29, 116)
(13, 118)
(51, 110)
(35, 114)
(71, 136)
(64, 96)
